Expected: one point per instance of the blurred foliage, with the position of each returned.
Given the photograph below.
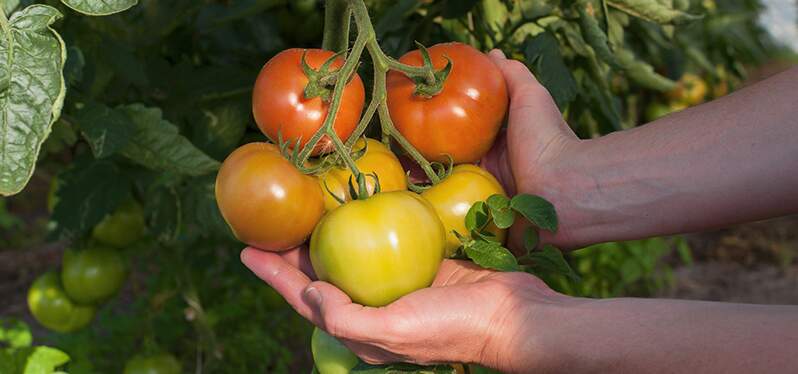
(157, 95)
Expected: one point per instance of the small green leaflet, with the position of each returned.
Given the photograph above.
(537, 210)
(491, 255)
(549, 260)
(544, 58)
(652, 11)
(99, 7)
(14, 333)
(503, 216)
(32, 86)
(477, 217)
(45, 360)
(158, 145)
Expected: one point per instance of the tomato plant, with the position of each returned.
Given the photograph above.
(92, 275)
(462, 119)
(284, 106)
(123, 227)
(265, 200)
(378, 159)
(379, 249)
(454, 196)
(163, 363)
(50, 305)
(329, 355)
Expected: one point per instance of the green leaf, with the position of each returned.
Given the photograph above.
(158, 145)
(457, 8)
(477, 217)
(503, 216)
(99, 7)
(107, 130)
(32, 86)
(491, 255)
(543, 56)
(45, 360)
(364, 368)
(392, 19)
(531, 239)
(549, 261)
(497, 202)
(89, 191)
(165, 213)
(199, 202)
(9, 6)
(652, 11)
(221, 128)
(15, 333)
(537, 210)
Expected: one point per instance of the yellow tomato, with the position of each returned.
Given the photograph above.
(379, 249)
(378, 159)
(453, 196)
(691, 90)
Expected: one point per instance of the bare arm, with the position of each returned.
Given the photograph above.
(728, 161)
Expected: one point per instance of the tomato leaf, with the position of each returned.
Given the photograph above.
(199, 202)
(32, 86)
(531, 239)
(543, 56)
(457, 8)
(164, 212)
(537, 210)
(99, 7)
(15, 333)
(477, 217)
(89, 191)
(44, 360)
(492, 255)
(158, 145)
(497, 202)
(107, 130)
(548, 261)
(221, 129)
(364, 368)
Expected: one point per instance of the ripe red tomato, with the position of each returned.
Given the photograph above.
(379, 249)
(266, 201)
(462, 120)
(279, 103)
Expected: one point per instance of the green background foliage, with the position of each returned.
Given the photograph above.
(158, 94)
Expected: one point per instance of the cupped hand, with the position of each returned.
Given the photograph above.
(469, 314)
(526, 157)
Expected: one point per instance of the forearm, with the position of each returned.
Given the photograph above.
(728, 161)
(668, 336)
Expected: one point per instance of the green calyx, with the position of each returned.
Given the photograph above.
(430, 85)
(321, 81)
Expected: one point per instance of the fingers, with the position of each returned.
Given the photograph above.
(299, 258)
(280, 274)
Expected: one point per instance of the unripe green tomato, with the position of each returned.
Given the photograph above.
(92, 276)
(50, 305)
(379, 249)
(123, 227)
(162, 363)
(329, 355)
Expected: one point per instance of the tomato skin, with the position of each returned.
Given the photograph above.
(279, 104)
(378, 159)
(329, 355)
(50, 305)
(92, 276)
(265, 200)
(463, 119)
(379, 249)
(690, 90)
(123, 227)
(454, 196)
(163, 363)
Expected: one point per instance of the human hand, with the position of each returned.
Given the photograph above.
(525, 158)
(469, 314)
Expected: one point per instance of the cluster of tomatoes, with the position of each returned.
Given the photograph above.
(690, 90)
(66, 301)
(378, 246)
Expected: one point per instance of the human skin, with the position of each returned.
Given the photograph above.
(720, 163)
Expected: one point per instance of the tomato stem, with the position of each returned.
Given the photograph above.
(337, 16)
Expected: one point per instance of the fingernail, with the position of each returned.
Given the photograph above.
(314, 296)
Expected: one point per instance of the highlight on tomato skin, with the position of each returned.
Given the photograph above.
(281, 109)
(463, 119)
(265, 200)
(53, 309)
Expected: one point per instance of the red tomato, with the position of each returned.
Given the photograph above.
(266, 201)
(279, 103)
(462, 120)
